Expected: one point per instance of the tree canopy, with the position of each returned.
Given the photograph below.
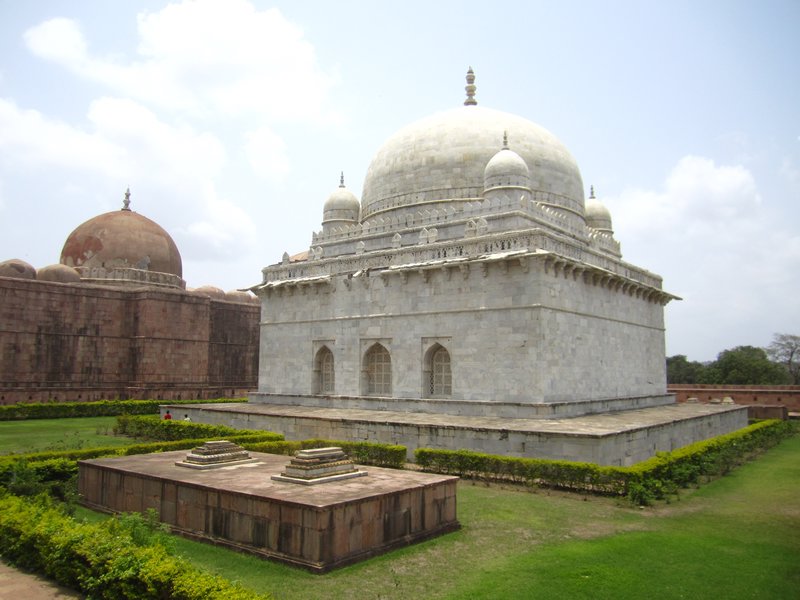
(785, 350)
(744, 365)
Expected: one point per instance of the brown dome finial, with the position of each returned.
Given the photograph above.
(470, 87)
(126, 203)
(591, 192)
(341, 179)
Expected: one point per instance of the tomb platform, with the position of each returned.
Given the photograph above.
(613, 438)
(241, 506)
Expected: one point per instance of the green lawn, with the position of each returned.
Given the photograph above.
(34, 435)
(737, 537)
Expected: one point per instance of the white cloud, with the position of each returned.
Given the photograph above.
(59, 40)
(266, 153)
(708, 234)
(152, 147)
(222, 230)
(124, 140)
(697, 195)
(29, 139)
(208, 57)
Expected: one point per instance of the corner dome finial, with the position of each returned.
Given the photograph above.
(341, 179)
(591, 192)
(505, 140)
(470, 101)
(126, 203)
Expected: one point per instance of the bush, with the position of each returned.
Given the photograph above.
(363, 453)
(102, 408)
(643, 483)
(155, 428)
(113, 559)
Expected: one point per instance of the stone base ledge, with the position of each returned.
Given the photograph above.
(468, 408)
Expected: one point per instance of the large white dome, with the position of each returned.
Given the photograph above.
(442, 159)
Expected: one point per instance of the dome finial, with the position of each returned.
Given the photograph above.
(505, 140)
(591, 192)
(126, 203)
(341, 179)
(470, 101)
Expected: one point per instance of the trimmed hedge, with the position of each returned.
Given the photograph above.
(102, 408)
(102, 560)
(60, 467)
(155, 428)
(644, 482)
(363, 453)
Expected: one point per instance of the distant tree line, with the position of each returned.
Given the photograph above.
(778, 364)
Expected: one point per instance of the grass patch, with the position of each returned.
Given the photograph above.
(39, 435)
(735, 537)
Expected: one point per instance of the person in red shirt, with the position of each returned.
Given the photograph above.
(167, 416)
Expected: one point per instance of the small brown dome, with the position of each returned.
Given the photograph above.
(122, 238)
(238, 296)
(209, 291)
(58, 273)
(17, 269)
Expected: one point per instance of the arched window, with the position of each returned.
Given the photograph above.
(378, 371)
(439, 379)
(324, 371)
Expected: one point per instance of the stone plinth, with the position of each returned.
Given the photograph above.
(213, 455)
(318, 527)
(319, 465)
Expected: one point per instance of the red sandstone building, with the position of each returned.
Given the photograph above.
(113, 320)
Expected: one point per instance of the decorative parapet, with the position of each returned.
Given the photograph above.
(557, 265)
(604, 242)
(313, 272)
(539, 206)
(127, 275)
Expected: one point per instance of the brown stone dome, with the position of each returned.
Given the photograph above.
(16, 268)
(122, 239)
(209, 291)
(58, 273)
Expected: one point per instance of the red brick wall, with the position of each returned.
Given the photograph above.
(751, 395)
(81, 342)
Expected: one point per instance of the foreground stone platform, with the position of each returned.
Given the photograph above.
(620, 438)
(318, 527)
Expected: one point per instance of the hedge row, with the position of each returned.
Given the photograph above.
(55, 468)
(363, 453)
(103, 560)
(155, 428)
(642, 483)
(102, 408)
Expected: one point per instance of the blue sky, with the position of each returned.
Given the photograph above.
(230, 121)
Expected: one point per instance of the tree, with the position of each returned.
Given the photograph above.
(785, 350)
(681, 370)
(744, 365)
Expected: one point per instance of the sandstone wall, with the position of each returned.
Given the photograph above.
(80, 342)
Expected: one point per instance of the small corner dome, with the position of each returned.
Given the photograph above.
(506, 168)
(341, 207)
(209, 291)
(597, 215)
(238, 296)
(16, 268)
(58, 273)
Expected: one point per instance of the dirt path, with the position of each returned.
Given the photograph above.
(20, 585)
